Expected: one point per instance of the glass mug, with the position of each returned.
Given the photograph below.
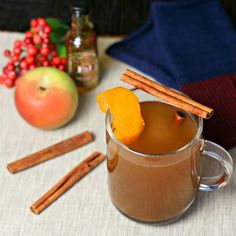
(160, 188)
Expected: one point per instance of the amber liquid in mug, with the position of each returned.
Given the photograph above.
(158, 188)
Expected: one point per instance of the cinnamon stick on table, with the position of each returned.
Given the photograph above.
(50, 152)
(167, 94)
(67, 181)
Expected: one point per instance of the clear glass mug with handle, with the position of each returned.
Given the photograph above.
(160, 188)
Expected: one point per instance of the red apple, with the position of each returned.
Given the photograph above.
(46, 97)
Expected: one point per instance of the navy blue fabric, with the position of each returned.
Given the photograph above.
(181, 43)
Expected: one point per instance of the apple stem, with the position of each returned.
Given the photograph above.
(42, 88)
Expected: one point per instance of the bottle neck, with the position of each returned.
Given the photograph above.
(80, 19)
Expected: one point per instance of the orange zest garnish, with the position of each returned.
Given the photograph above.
(127, 122)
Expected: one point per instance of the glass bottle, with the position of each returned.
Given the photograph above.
(81, 45)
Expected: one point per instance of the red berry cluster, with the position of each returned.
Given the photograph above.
(36, 49)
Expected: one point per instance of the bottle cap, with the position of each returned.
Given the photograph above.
(80, 7)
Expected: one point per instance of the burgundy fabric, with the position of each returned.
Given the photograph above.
(220, 94)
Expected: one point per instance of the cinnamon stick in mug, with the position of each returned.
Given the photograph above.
(67, 181)
(51, 152)
(167, 94)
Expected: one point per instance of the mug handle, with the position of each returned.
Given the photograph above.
(218, 153)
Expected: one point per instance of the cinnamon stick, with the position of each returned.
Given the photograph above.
(167, 94)
(67, 181)
(51, 152)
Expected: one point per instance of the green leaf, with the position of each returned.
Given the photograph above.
(54, 23)
(61, 50)
(59, 30)
(57, 37)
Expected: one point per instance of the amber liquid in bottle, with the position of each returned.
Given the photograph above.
(81, 45)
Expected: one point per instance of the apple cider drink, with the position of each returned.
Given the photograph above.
(148, 179)
(154, 144)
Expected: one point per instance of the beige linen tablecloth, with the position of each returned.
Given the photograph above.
(86, 208)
